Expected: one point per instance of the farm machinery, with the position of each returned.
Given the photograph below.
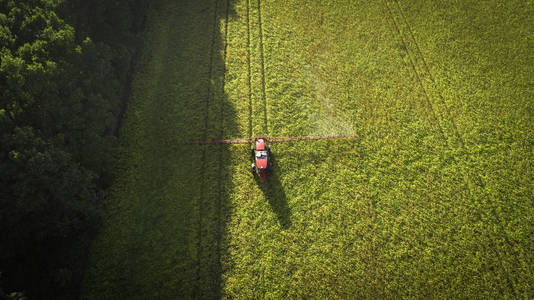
(261, 164)
(260, 149)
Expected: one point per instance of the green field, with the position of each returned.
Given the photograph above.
(434, 199)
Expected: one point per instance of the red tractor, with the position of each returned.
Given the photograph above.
(260, 152)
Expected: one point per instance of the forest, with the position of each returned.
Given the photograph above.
(64, 81)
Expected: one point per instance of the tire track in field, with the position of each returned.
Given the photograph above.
(250, 121)
(198, 289)
(249, 73)
(448, 118)
(217, 268)
(460, 139)
(262, 61)
(458, 135)
(252, 179)
(412, 64)
(448, 115)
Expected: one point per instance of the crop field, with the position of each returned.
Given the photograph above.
(433, 199)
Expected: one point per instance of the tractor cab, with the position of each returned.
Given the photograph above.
(260, 152)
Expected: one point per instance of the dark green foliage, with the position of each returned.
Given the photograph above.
(60, 98)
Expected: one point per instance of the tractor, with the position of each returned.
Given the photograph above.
(261, 164)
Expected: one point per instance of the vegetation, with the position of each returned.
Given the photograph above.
(61, 85)
(433, 199)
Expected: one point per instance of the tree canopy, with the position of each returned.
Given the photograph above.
(63, 66)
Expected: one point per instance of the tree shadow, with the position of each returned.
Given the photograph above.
(165, 235)
(274, 193)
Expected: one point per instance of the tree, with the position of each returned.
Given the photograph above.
(60, 94)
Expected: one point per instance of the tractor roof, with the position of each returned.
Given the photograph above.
(260, 145)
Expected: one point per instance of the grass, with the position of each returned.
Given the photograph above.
(433, 199)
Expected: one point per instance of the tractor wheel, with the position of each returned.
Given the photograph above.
(252, 148)
(268, 150)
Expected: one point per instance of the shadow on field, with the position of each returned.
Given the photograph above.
(274, 193)
(212, 206)
(166, 233)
